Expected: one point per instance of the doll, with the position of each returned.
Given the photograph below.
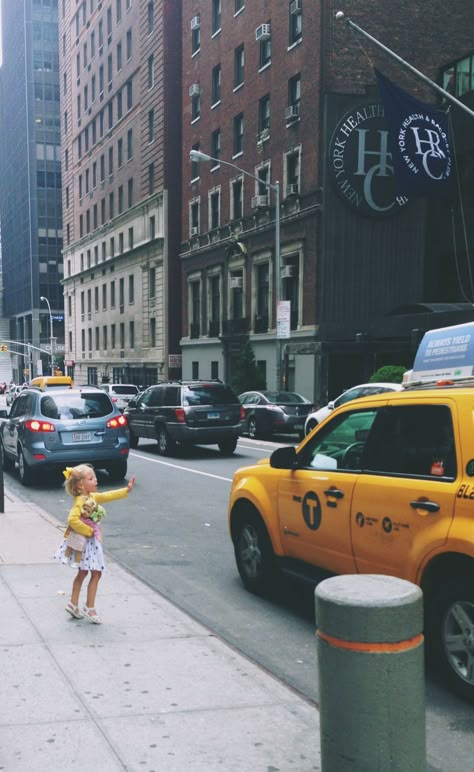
(91, 514)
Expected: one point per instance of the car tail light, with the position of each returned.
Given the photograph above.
(33, 425)
(180, 415)
(114, 399)
(117, 422)
(242, 413)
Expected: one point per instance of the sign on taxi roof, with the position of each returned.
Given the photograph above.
(445, 353)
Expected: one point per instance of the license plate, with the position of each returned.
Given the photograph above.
(298, 426)
(214, 414)
(81, 436)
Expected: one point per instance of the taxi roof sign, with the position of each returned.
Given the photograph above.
(445, 353)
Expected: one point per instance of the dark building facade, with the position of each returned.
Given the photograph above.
(286, 91)
(30, 180)
(120, 75)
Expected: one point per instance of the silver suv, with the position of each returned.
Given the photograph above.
(64, 427)
(186, 413)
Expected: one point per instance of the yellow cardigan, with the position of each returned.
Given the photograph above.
(74, 522)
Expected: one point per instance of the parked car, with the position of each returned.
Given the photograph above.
(13, 393)
(121, 393)
(363, 390)
(48, 430)
(186, 413)
(384, 486)
(269, 412)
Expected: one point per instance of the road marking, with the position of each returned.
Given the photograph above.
(184, 468)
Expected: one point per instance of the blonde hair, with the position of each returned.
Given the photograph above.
(75, 476)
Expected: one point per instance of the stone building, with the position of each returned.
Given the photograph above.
(120, 97)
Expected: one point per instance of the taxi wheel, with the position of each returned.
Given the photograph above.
(227, 447)
(450, 635)
(253, 553)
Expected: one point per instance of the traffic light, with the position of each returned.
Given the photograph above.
(4, 347)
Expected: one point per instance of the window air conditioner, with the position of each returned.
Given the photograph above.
(195, 22)
(292, 190)
(288, 272)
(295, 7)
(292, 112)
(236, 282)
(263, 32)
(258, 202)
(194, 90)
(195, 231)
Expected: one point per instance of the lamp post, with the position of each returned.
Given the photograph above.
(50, 331)
(196, 156)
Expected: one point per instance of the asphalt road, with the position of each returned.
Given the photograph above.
(172, 533)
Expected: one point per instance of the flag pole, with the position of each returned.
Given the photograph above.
(340, 15)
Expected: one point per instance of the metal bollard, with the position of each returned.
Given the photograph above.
(371, 674)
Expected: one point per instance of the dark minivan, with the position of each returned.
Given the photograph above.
(186, 413)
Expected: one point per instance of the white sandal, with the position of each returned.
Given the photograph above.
(74, 611)
(92, 615)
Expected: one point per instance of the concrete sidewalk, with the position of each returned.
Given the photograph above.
(149, 690)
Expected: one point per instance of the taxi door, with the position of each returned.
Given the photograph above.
(403, 502)
(314, 499)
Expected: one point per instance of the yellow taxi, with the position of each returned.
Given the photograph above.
(384, 485)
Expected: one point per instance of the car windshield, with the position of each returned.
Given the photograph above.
(75, 405)
(284, 398)
(124, 389)
(208, 395)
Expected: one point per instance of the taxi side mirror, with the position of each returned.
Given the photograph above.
(331, 405)
(283, 458)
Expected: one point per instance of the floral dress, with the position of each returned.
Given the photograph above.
(93, 555)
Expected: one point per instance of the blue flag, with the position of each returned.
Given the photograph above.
(418, 141)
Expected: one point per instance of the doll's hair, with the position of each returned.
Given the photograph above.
(88, 506)
(75, 476)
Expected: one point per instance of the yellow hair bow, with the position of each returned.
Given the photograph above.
(67, 472)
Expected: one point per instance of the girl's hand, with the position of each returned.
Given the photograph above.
(131, 483)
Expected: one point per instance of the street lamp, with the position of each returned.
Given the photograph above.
(50, 331)
(196, 156)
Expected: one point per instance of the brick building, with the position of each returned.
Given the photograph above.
(120, 66)
(270, 88)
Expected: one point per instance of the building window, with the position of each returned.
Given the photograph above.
(152, 227)
(104, 338)
(294, 93)
(130, 238)
(195, 371)
(263, 175)
(129, 45)
(129, 94)
(264, 114)
(119, 10)
(119, 104)
(194, 217)
(104, 297)
(112, 294)
(111, 207)
(120, 243)
(236, 295)
(131, 334)
(111, 161)
(292, 170)
(214, 306)
(290, 287)
(216, 146)
(216, 16)
(237, 204)
(214, 209)
(261, 299)
(239, 5)
(97, 340)
(96, 299)
(112, 336)
(120, 199)
(295, 25)
(265, 52)
(195, 316)
(151, 16)
(131, 289)
(239, 62)
(216, 84)
(151, 282)
(458, 79)
(238, 134)
(151, 178)
(120, 152)
(152, 332)
(215, 370)
(151, 71)
(130, 192)
(129, 144)
(195, 106)
(151, 125)
(195, 39)
(122, 335)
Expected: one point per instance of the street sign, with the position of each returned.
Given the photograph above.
(175, 360)
(284, 319)
(39, 367)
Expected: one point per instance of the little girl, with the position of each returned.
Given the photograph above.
(81, 483)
